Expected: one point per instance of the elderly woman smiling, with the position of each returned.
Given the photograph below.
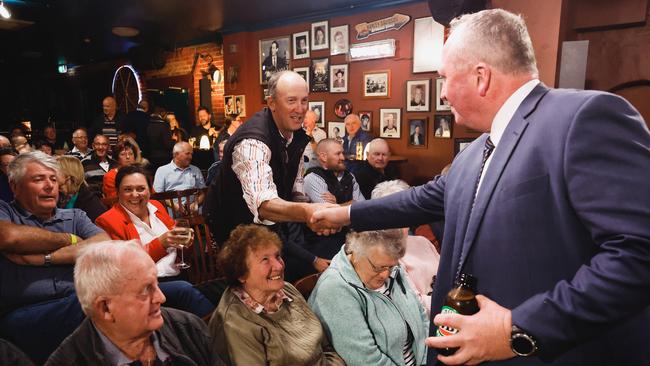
(369, 310)
(262, 320)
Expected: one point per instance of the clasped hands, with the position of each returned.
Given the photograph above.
(484, 336)
(326, 218)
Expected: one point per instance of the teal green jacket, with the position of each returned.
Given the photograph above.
(365, 326)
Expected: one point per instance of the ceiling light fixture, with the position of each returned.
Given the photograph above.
(125, 31)
(4, 12)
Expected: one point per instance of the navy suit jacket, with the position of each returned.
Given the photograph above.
(560, 231)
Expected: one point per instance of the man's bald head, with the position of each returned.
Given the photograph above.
(109, 106)
(330, 155)
(4, 142)
(309, 122)
(352, 124)
(378, 154)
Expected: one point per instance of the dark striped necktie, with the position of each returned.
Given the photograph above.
(487, 151)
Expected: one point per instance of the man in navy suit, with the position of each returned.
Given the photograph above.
(555, 224)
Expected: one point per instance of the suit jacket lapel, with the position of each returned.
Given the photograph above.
(507, 144)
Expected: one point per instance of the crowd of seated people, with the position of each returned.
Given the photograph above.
(68, 198)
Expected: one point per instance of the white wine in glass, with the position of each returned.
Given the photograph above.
(183, 229)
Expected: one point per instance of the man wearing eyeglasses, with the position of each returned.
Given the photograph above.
(97, 164)
(80, 149)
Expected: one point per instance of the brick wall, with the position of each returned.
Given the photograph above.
(179, 62)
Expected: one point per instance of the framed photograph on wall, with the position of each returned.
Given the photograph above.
(304, 72)
(428, 37)
(340, 40)
(366, 120)
(417, 132)
(461, 144)
(319, 109)
(441, 105)
(418, 95)
(301, 45)
(390, 123)
(320, 75)
(376, 84)
(240, 105)
(319, 32)
(228, 105)
(442, 125)
(336, 130)
(274, 56)
(339, 78)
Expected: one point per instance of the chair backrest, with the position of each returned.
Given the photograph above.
(180, 202)
(306, 284)
(203, 262)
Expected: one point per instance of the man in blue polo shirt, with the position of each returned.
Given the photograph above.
(180, 174)
(38, 305)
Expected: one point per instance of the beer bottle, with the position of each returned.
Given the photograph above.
(460, 300)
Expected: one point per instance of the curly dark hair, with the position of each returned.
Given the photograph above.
(243, 240)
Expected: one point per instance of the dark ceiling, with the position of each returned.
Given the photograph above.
(80, 31)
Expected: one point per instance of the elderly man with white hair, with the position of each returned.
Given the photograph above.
(375, 168)
(180, 174)
(118, 290)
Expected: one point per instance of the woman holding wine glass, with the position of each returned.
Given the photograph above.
(135, 216)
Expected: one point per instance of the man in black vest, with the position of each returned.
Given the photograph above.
(260, 173)
(331, 182)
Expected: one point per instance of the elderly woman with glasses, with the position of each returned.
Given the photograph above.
(368, 309)
(262, 320)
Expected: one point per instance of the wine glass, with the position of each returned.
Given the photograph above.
(183, 229)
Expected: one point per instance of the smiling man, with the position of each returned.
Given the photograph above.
(38, 306)
(126, 322)
(262, 166)
(97, 164)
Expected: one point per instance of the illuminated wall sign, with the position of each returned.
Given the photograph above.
(372, 50)
(396, 22)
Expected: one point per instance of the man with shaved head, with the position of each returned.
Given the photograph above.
(262, 169)
(375, 169)
(109, 123)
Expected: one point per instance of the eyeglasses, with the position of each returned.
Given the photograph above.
(382, 269)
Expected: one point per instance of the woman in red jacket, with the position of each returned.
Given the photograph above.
(135, 216)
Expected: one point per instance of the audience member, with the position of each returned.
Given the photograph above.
(421, 258)
(97, 164)
(230, 125)
(375, 169)
(214, 169)
(354, 142)
(7, 155)
(124, 152)
(315, 136)
(125, 324)
(135, 216)
(50, 136)
(564, 262)
(44, 146)
(4, 142)
(262, 168)
(109, 123)
(73, 190)
(80, 149)
(203, 127)
(261, 319)
(138, 157)
(20, 144)
(136, 123)
(37, 302)
(178, 133)
(330, 181)
(160, 139)
(180, 174)
(368, 309)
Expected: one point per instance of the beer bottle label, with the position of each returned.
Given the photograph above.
(444, 330)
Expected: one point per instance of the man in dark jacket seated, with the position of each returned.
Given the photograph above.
(117, 285)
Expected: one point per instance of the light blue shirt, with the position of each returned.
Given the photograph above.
(172, 178)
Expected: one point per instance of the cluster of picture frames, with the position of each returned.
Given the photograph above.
(418, 99)
(275, 55)
(234, 105)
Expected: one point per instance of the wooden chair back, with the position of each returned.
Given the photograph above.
(203, 259)
(180, 202)
(306, 284)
